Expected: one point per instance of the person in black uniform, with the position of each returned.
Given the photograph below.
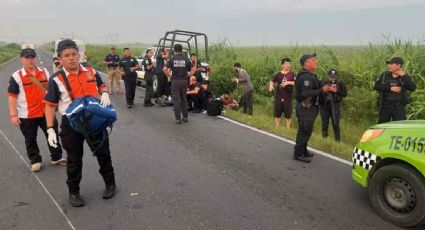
(308, 88)
(163, 84)
(198, 67)
(180, 65)
(330, 104)
(196, 95)
(392, 87)
(148, 67)
(129, 65)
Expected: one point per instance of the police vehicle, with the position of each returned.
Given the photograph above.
(390, 161)
(192, 42)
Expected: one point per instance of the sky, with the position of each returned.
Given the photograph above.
(241, 22)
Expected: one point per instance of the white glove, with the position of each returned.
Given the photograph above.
(104, 99)
(51, 137)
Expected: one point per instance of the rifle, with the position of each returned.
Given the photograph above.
(333, 105)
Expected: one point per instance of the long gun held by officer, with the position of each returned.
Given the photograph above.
(331, 96)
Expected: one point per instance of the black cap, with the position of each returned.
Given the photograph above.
(305, 57)
(395, 60)
(178, 48)
(27, 52)
(66, 44)
(333, 73)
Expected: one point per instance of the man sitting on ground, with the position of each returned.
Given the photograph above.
(196, 95)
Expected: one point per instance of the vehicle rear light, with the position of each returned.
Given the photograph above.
(371, 134)
(208, 70)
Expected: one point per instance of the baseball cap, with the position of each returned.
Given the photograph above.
(27, 52)
(333, 73)
(66, 44)
(305, 57)
(395, 60)
(178, 48)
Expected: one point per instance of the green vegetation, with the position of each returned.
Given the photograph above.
(8, 51)
(358, 67)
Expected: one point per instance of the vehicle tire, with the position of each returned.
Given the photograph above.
(154, 83)
(397, 192)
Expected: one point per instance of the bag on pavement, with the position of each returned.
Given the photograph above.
(214, 107)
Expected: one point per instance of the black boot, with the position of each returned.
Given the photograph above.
(308, 154)
(76, 200)
(302, 159)
(109, 192)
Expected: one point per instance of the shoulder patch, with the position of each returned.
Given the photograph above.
(306, 83)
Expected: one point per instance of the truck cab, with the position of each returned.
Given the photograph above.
(192, 42)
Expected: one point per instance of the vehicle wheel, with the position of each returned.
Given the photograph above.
(154, 83)
(397, 193)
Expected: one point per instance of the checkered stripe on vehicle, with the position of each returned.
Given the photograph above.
(364, 159)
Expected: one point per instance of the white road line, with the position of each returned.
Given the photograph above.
(39, 181)
(287, 141)
(10, 60)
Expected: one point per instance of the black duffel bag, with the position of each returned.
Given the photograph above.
(214, 107)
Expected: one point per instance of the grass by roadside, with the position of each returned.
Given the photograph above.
(263, 119)
(9, 51)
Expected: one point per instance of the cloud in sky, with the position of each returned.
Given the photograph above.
(244, 22)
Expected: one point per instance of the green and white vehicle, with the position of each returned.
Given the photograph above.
(390, 161)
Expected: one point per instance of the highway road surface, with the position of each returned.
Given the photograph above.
(205, 174)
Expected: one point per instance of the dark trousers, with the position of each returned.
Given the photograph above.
(392, 112)
(149, 89)
(306, 117)
(179, 94)
(197, 102)
(29, 128)
(163, 85)
(73, 143)
(246, 102)
(130, 89)
(326, 114)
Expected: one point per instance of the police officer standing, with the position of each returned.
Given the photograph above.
(308, 88)
(330, 104)
(27, 87)
(181, 68)
(163, 84)
(112, 60)
(148, 67)
(129, 65)
(83, 81)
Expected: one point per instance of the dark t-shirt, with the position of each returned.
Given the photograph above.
(126, 63)
(285, 93)
(201, 92)
(112, 58)
(198, 74)
(179, 65)
(146, 63)
(159, 64)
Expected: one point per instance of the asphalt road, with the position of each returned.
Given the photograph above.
(206, 174)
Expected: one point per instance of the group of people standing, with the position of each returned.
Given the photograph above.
(34, 99)
(314, 97)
